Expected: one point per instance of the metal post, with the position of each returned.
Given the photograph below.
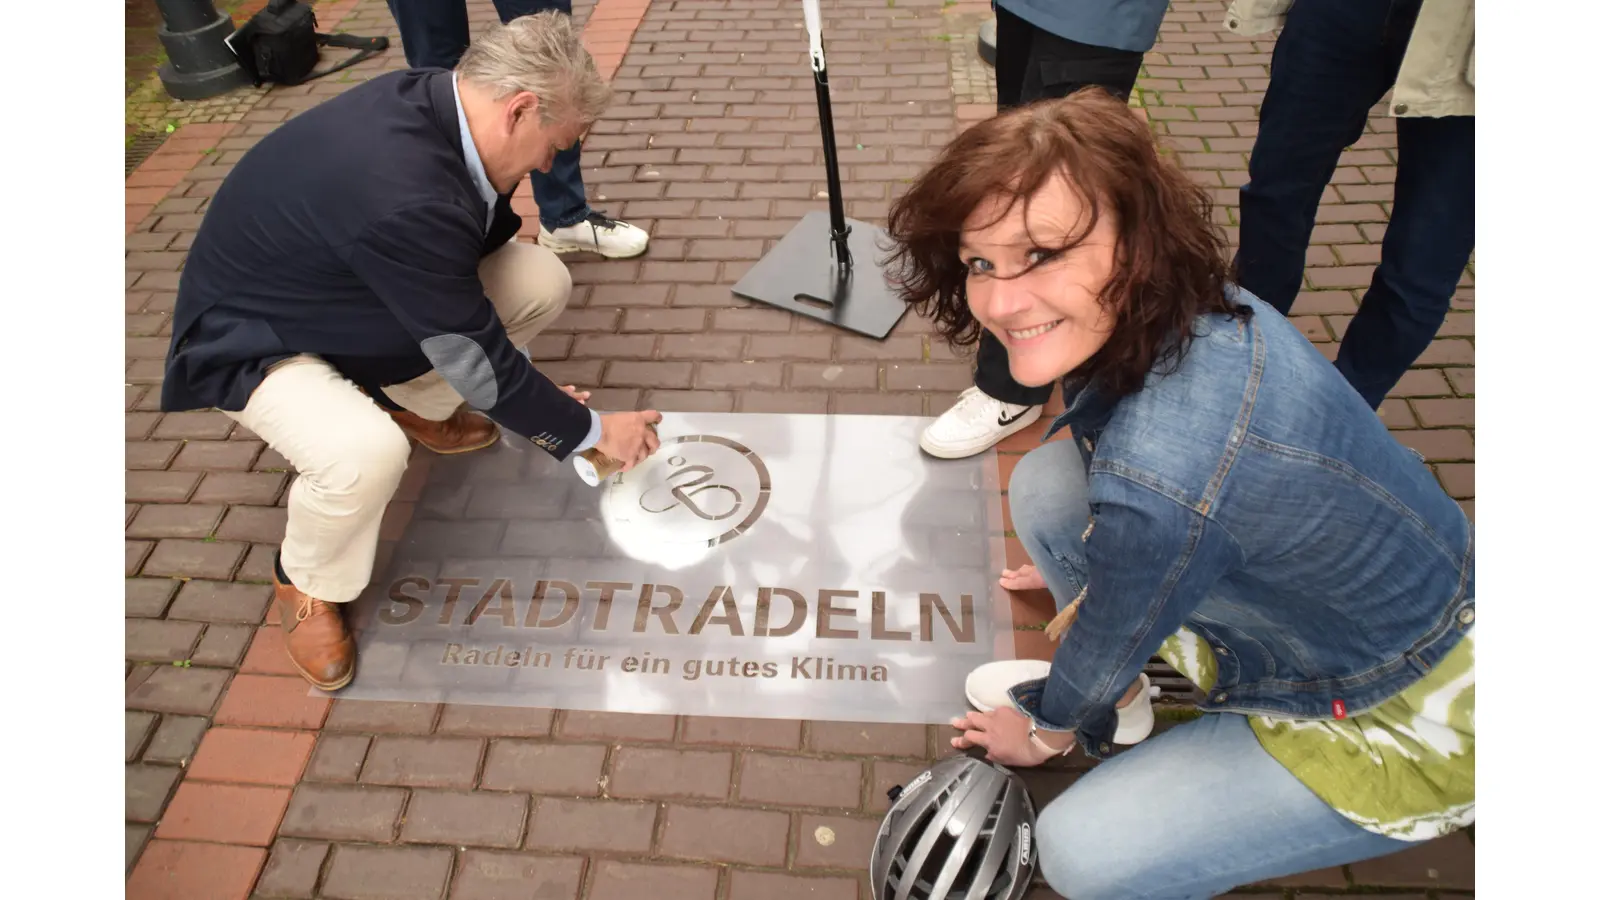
(199, 63)
(830, 157)
(826, 268)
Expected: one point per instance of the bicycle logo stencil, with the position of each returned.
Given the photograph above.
(699, 489)
(685, 491)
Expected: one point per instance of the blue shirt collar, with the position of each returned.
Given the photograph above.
(474, 163)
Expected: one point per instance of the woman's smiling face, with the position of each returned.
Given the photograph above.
(1043, 304)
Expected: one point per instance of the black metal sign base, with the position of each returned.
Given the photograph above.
(827, 267)
(801, 275)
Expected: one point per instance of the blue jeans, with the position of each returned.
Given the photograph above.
(435, 34)
(1193, 812)
(1333, 62)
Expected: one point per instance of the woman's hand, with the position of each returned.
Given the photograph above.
(1025, 578)
(574, 393)
(1004, 734)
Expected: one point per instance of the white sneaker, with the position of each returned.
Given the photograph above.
(989, 685)
(597, 234)
(975, 423)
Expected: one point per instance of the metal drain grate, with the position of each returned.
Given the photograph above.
(1174, 687)
(145, 142)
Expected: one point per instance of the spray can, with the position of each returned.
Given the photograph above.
(594, 467)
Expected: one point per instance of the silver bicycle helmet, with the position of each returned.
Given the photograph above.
(962, 830)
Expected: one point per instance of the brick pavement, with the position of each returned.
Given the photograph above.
(239, 785)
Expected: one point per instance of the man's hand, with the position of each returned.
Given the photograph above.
(628, 436)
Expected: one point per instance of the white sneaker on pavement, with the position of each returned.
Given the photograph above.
(989, 685)
(598, 233)
(975, 423)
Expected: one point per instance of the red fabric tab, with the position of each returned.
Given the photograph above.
(1338, 709)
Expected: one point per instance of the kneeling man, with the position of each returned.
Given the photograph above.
(356, 282)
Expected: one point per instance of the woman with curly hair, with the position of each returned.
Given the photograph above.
(1228, 502)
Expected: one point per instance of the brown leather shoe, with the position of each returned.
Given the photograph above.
(319, 644)
(463, 432)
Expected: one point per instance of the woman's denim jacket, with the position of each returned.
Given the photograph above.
(1253, 497)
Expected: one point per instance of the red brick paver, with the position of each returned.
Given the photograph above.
(240, 785)
(185, 870)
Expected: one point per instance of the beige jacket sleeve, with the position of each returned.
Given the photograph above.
(1438, 75)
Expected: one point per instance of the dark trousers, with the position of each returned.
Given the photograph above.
(1333, 62)
(435, 34)
(1031, 64)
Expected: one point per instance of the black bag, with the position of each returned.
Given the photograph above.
(280, 44)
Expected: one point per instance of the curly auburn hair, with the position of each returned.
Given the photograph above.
(1170, 263)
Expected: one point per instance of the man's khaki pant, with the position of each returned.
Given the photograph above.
(347, 450)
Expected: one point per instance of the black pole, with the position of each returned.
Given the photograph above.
(830, 156)
(811, 271)
(199, 63)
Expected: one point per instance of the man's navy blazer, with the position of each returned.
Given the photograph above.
(354, 232)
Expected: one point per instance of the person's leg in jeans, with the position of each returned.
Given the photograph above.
(993, 376)
(1014, 39)
(434, 33)
(1428, 242)
(1049, 499)
(1192, 813)
(1013, 42)
(1049, 491)
(1030, 65)
(1333, 61)
(567, 224)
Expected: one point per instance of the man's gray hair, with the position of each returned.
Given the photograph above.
(540, 53)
